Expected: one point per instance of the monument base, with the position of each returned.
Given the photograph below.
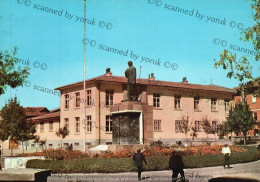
(132, 123)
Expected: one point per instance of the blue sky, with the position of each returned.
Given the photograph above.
(147, 28)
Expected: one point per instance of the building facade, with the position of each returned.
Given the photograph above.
(170, 102)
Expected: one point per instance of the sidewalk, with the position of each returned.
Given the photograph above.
(193, 175)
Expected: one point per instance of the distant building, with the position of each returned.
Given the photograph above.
(30, 112)
(167, 103)
(254, 105)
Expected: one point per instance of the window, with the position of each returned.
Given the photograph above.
(255, 116)
(178, 128)
(109, 97)
(77, 124)
(227, 105)
(196, 103)
(77, 99)
(213, 104)
(51, 126)
(89, 124)
(157, 125)
(50, 146)
(32, 145)
(76, 145)
(108, 124)
(198, 125)
(89, 98)
(253, 98)
(156, 100)
(67, 124)
(66, 101)
(214, 125)
(65, 145)
(177, 102)
(42, 127)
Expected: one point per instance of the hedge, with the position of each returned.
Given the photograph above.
(115, 165)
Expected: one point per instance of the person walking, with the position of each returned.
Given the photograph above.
(176, 165)
(226, 152)
(138, 159)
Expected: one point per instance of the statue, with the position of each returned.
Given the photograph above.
(130, 73)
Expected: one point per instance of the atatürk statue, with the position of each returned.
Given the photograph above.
(130, 73)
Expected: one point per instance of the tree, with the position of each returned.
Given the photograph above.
(184, 126)
(240, 68)
(9, 74)
(14, 125)
(26, 131)
(194, 133)
(62, 132)
(241, 119)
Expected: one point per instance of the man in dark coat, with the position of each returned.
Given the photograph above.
(138, 159)
(130, 73)
(176, 165)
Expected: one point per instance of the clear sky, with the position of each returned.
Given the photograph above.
(182, 37)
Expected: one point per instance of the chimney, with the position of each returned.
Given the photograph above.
(152, 77)
(108, 73)
(184, 80)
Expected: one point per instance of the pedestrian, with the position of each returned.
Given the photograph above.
(176, 165)
(138, 159)
(226, 152)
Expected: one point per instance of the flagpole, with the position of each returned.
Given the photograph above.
(84, 144)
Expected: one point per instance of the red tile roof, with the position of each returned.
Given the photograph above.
(35, 111)
(51, 115)
(123, 80)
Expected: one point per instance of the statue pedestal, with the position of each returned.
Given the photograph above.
(132, 122)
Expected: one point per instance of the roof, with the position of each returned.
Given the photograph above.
(51, 115)
(35, 111)
(123, 80)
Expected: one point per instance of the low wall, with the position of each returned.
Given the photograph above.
(17, 162)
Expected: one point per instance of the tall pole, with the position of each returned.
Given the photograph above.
(84, 145)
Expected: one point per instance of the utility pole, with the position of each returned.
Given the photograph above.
(84, 124)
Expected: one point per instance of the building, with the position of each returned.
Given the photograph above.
(167, 102)
(30, 112)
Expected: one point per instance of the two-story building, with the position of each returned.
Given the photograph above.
(170, 103)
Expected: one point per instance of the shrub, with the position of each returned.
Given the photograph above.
(60, 154)
(155, 163)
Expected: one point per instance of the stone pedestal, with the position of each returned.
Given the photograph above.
(132, 122)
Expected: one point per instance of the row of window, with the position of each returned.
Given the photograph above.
(109, 98)
(179, 126)
(89, 124)
(177, 103)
